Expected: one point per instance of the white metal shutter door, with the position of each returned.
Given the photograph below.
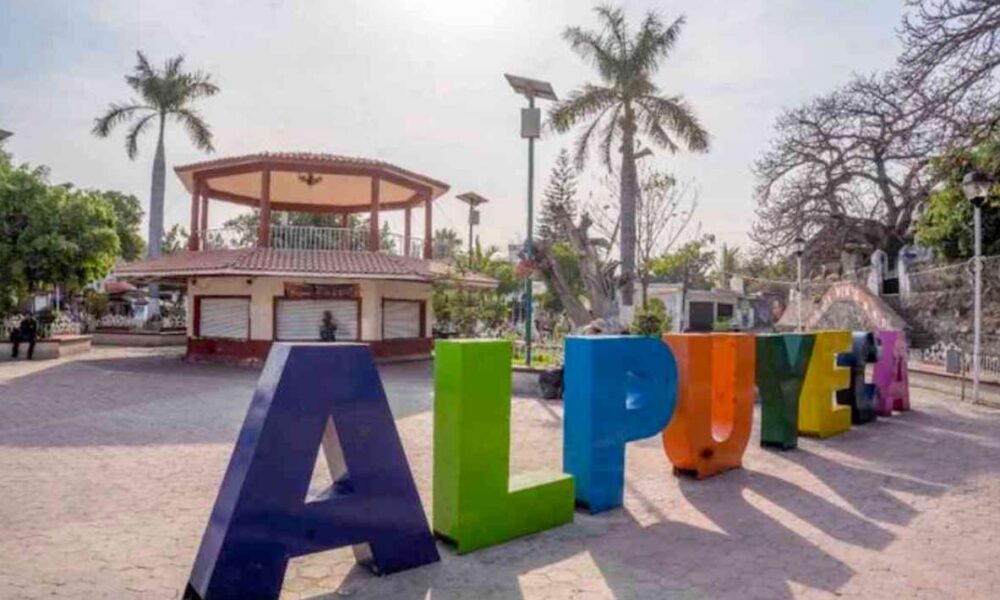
(400, 320)
(227, 318)
(302, 319)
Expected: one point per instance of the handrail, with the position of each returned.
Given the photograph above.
(309, 237)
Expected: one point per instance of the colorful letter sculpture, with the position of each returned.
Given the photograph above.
(711, 425)
(782, 361)
(618, 389)
(262, 517)
(819, 415)
(891, 375)
(476, 501)
(860, 396)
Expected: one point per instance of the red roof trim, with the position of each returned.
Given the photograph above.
(292, 263)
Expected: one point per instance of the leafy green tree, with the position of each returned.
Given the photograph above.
(652, 319)
(464, 309)
(166, 93)
(560, 192)
(688, 265)
(386, 240)
(569, 267)
(50, 235)
(768, 274)
(21, 190)
(946, 223)
(488, 262)
(625, 106)
(128, 219)
(175, 240)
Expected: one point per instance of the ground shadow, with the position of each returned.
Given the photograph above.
(154, 400)
(937, 444)
(924, 452)
(753, 556)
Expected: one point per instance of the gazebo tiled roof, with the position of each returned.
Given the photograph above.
(318, 157)
(288, 262)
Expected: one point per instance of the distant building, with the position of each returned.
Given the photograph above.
(703, 309)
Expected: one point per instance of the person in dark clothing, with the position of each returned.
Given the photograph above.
(27, 332)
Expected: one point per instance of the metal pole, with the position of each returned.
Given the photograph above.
(529, 248)
(978, 310)
(798, 263)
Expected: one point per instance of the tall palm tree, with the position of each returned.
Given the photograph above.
(626, 106)
(166, 93)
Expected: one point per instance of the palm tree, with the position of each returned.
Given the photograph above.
(166, 93)
(729, 263)
(627, 105)
(445, 243)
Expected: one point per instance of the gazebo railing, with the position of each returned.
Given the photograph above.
(300, 237)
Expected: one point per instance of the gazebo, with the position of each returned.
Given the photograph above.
(287, 282)
(311, 183)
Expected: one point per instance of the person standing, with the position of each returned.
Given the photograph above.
(26, 332)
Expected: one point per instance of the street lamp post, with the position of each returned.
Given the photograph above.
(800, 247)
(531, 128)
(473, 200)
(976, 187)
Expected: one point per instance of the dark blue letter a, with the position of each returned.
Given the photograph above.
(308, 394)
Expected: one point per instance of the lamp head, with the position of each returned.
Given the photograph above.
(799, 246)
(976, 187)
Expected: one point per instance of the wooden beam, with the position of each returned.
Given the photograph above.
(428, 227)
(373, 241)
(302, 166)
(264, 233)
(406, 232)
(195, 200)
(304, 207)
(204, 213)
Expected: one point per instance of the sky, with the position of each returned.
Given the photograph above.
(418, 84)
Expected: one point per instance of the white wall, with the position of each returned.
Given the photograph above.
(263, 290)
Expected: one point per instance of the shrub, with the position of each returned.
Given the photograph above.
(652, 320)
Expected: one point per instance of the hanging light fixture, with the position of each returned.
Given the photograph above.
(310, 179)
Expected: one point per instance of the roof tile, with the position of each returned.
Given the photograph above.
(291, 262)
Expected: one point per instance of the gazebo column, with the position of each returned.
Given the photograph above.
(264, 233)
(373, 241)
(204, 217)
(428, 227)
(344, 236)
(195, 200)
(406, 232)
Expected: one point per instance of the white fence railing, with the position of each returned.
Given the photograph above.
(299, 237)
(939, 352)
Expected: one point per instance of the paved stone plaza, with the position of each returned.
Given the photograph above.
(110, 463)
